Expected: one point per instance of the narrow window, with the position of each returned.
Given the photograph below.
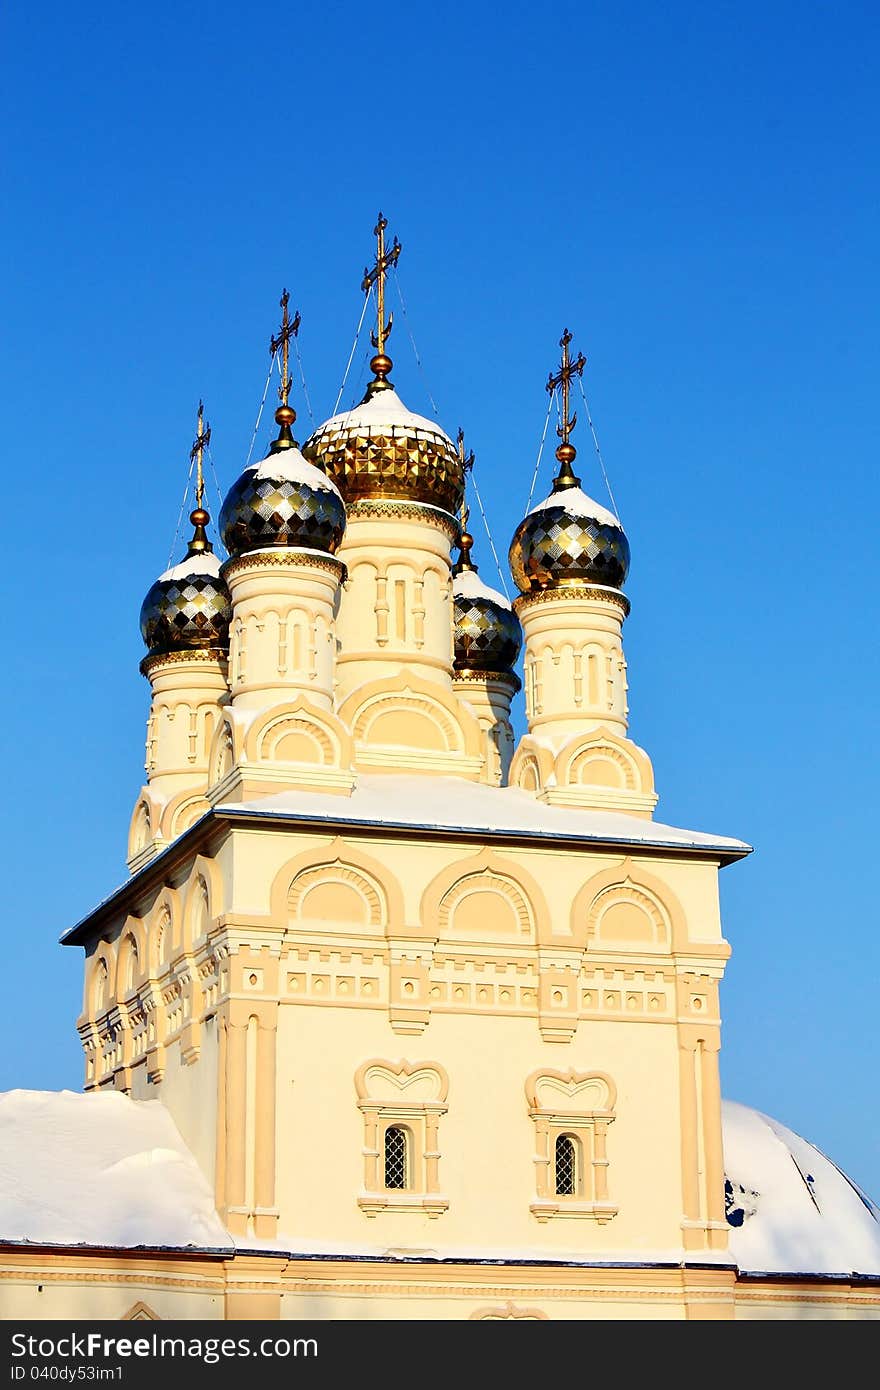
(396, 1157)
(566, 1166)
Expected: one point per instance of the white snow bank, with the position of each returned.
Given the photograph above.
(575, 501)
(99, 1169)
(204, 562)
(798, 1213)
(384, 410)
(456, 804)
(468, 584)
(289, 466)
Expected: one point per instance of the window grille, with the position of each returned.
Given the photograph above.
(395, 1157)
(566, 1167)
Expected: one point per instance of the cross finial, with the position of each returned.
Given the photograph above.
(566, 452)
(466, 540)
(199, 517)
(381, 364)
(285, 414)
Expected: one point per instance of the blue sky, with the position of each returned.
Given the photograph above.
(693, 190)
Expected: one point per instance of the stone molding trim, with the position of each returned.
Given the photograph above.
(412, 1096)
(286, 557)
(580, 1106)
(368, 509)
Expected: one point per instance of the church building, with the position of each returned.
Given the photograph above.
(398, 1015)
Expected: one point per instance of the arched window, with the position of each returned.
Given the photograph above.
(396, 1157)
(567, 1176)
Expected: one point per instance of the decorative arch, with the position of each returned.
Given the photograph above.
(359, 879)
(140, 832)
(487, 872)
(130, 964)
(336, 892)
(602, 758)
(406, 711)
(102, 980)
(531, 766)
(298, 733)
(625, 908)
(201, 897)
(163, 937)
(221, 759)
(182, 811)
(486, 902)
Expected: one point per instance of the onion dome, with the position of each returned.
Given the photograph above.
(188, 606)
(382, 451)
(282, 500)
(568, 539)
(486, 633)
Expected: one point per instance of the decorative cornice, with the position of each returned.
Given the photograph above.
(594, 593)
(368, 508)
(153, 661)
(285, 556)
(472, 677)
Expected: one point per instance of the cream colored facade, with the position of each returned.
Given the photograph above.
(294, 977)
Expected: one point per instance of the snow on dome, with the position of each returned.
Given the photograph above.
(468, 584)
(100, 1169)
(202, 562)
(382, 410)
(577, 503)
(791, 1210)
(289, 466)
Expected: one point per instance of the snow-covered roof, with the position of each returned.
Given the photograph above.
(576, 501)
(203, 562)
(100, 1169)
(384, 410)
(289, 466)
(792, 1209)
(453, 803)
(468, 584)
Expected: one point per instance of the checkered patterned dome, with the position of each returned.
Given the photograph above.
(381, 451)
(569, 539)
(282, 501)
(187, 607)
(487, 635)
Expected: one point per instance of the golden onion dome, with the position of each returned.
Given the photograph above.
(486, 633)
(282, 501)
(189, 605)
(566, 540)
(383, 452)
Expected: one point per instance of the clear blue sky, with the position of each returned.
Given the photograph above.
(693, 190)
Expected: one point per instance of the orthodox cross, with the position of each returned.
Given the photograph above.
(466, 540)
(289, 329)
(201, 442)
(384, 261)
(566, 451)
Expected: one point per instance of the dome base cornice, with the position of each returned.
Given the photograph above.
(574, 593)
(285, 555)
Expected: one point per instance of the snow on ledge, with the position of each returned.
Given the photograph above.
(452, 803)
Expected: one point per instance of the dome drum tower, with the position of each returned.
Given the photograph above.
(282, 522)
(185, 626)
(569, 558)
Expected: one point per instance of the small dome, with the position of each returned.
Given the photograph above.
(282, 501)
(382, 451)
(568, 539)
(189, 605)
(487, 634)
